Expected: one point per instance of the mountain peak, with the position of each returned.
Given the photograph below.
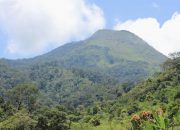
(109, 34)
(105, 47)
(111, 31)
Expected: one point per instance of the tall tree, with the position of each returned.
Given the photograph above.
(23, 95)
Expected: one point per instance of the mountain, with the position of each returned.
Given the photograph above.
(120, 54)
(107, 48)
(85, 71)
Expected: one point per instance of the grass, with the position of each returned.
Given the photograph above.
(105, 125)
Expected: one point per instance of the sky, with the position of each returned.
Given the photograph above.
(32, 27)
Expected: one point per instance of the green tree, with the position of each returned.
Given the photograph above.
(19, 121)
(42, 123)
(53, 119)
(23, 95)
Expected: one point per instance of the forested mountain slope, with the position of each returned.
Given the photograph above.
(102, 67)
(153, 104)
(119, 54)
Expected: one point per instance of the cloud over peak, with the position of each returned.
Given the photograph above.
(164, 38)
(32, 26)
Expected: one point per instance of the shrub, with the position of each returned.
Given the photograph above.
(95, 121)
(150, 121)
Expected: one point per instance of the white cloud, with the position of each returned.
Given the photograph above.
(164, 38)
(34, 25)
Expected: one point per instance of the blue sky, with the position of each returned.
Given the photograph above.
(133, 9)
(30, 27)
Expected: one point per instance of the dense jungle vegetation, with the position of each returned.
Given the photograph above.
(152, 104)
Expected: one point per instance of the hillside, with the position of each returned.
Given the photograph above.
(94, 69)
(153, 104)
(119, 54)
(106, 48)
(158, 96)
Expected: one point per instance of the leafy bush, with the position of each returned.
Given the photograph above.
(150, 121)
(95, 121)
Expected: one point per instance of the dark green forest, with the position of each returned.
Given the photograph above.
(21, 107)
